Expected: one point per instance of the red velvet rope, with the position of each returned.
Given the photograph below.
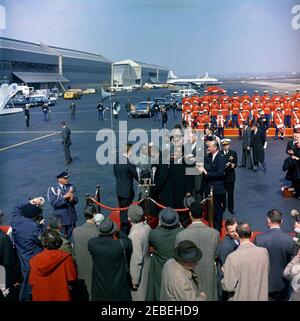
(126, 208)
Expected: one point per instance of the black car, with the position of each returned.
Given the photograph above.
(162, 102)
(144, 108)
(38, 101)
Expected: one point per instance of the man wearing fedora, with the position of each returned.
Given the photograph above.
(162, 243)
(63, 199)
(179, 281)
(207, 240)
(111, 252)
(231, 161)
(140, 259)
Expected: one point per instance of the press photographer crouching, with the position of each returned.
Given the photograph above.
(27, 227)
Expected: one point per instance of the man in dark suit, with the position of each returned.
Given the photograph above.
(66, 142)
(246, 143)
(281, 250)
(259, 144)
(229, 244)
(125, 172)
(231, 163)
(214, 173)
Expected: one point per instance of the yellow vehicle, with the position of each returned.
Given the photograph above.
(73, 94)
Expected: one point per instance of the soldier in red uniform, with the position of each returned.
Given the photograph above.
(214, 107)
(245, 96)
(225, 111)
(296, 118)
(265, 96)
(205, 97)
(246, 105)
(255, 96)
(288, 110)
(236, 97)
(279, 123)
(267, 109)
(296, 103)
(235, 109)
(296, 95)
(225, 96)
(276, 97)
(286, 96)
(255, 109)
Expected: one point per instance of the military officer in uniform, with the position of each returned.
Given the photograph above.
(66, 142)
(63, 199)
(231, 161)
(27, 115)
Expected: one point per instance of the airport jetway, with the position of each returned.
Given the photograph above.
(6, 93)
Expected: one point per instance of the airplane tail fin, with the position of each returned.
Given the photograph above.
(103, 94)
(171, 75)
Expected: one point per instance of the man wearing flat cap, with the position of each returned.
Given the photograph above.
(231, 161)
(179, 281)
(63, 199)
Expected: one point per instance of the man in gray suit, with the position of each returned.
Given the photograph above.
(207, 240)
(81, 237)
(66, 142)
(246, 144)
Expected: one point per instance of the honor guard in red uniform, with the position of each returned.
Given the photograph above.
(279, 122)
(246, 105)
(286, 96)
(225, 96)
(267, 109)
(265, 96)
(205, 107)
(296, 95)
(225, 111)
(255, 96)
(235, 96)
(186, 107)
(245, 96)
(206, 97)
(276, 97)
(296, 103)
(288, 111)
(199, 121)
(255, 109)
(195, 109)
(214, 108)
(206, 118)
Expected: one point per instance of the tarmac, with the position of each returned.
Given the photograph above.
(30, 158)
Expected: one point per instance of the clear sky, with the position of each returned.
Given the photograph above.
(187, 36)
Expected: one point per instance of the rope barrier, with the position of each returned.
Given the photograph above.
(126, 208)
(112, 208)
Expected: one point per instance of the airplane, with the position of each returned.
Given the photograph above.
(206, 80)
(6, 93)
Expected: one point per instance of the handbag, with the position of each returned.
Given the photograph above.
(126, 266)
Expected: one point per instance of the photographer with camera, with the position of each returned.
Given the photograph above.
(27, 227)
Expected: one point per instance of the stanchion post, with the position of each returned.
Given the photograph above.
(87, 199)
(98, 197)
(210, 208)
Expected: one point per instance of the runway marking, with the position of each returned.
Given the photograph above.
(27, 141)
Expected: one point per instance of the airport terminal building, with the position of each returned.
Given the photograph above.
(42, 66)
(129, 72)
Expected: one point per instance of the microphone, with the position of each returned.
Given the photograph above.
(138, 170)
(153, 173)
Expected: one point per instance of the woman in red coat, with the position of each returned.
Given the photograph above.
(51, 270)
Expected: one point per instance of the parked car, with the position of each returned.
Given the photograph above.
(72, 94)
(162, 102)
(144, 108)
(52, 99)
(89, 91)
(35, 101)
